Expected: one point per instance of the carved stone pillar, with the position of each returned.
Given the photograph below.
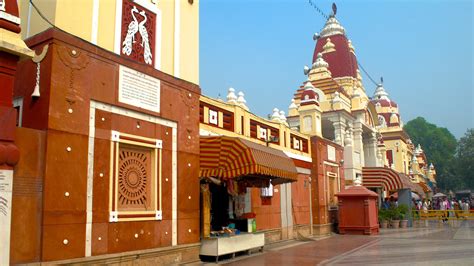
(349, 171)
(358, 146)
(371, 149)
(339, 131)
(382, 151)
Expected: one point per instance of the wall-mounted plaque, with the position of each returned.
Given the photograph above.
(139, 89)
(6, 180)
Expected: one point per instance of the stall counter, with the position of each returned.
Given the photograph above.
(218, 246)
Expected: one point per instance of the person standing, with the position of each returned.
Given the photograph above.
(443, 206)
(457, 209)
(386, 204)
(393, 204)
(450, 208)
(419, 205)
(465, 208)
(425, 206)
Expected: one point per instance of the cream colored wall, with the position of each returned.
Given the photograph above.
(189, 58)
(315, 114)
(400, 156)
(405, 160)
(167, 32)
(37, 24)
(75, 17)
(106, 24)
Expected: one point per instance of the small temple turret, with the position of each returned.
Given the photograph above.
(309, 110)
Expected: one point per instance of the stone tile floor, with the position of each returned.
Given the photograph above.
(432, 243)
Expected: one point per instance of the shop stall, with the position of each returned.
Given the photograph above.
(229, 168)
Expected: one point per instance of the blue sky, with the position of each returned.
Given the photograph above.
(423, 49)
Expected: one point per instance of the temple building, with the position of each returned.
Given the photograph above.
(422, 173)
(400, 152)
(370, 129)
(344, 114)
(398, 148)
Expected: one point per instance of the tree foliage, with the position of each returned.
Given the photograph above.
(465, 159)
(440, 149)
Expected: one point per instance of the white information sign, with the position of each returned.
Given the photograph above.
(331, 153)
(6, 186)
(139, 89)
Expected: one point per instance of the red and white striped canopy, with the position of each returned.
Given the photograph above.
(388, 179)
(380, 177)
(228, 157)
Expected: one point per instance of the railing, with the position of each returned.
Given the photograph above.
(442, 215)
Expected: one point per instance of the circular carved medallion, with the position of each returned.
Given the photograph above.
(133, 177)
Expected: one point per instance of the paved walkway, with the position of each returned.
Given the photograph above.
(435, 244)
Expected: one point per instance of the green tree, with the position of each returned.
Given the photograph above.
(440, 149)
(465, 159)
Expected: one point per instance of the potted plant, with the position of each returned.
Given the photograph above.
(383, 218)
(403, 210)
(394, 215)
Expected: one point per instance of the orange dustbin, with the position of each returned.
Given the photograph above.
(358, 212)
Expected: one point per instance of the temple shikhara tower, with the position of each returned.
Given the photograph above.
(345, 113)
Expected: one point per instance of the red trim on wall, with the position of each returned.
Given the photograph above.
(302, 164)
(390, 157)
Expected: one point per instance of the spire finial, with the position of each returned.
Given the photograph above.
(292, 105)
(231, 97)
(334, 9)
(275, 115)
(381, 80)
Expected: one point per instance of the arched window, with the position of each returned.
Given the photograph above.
(382, 122)
(307, 123)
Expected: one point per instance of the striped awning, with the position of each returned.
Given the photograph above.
(388, 179)
(232, 158)
(380, 177)
(425, 187)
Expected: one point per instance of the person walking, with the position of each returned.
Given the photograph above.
(443, 207)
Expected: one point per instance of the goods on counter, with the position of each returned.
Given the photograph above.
(226, 231)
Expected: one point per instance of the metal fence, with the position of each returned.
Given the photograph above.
(442, 215)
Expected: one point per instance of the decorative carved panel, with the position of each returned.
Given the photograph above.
(135, 181)
(138, 33)
(134, 178)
